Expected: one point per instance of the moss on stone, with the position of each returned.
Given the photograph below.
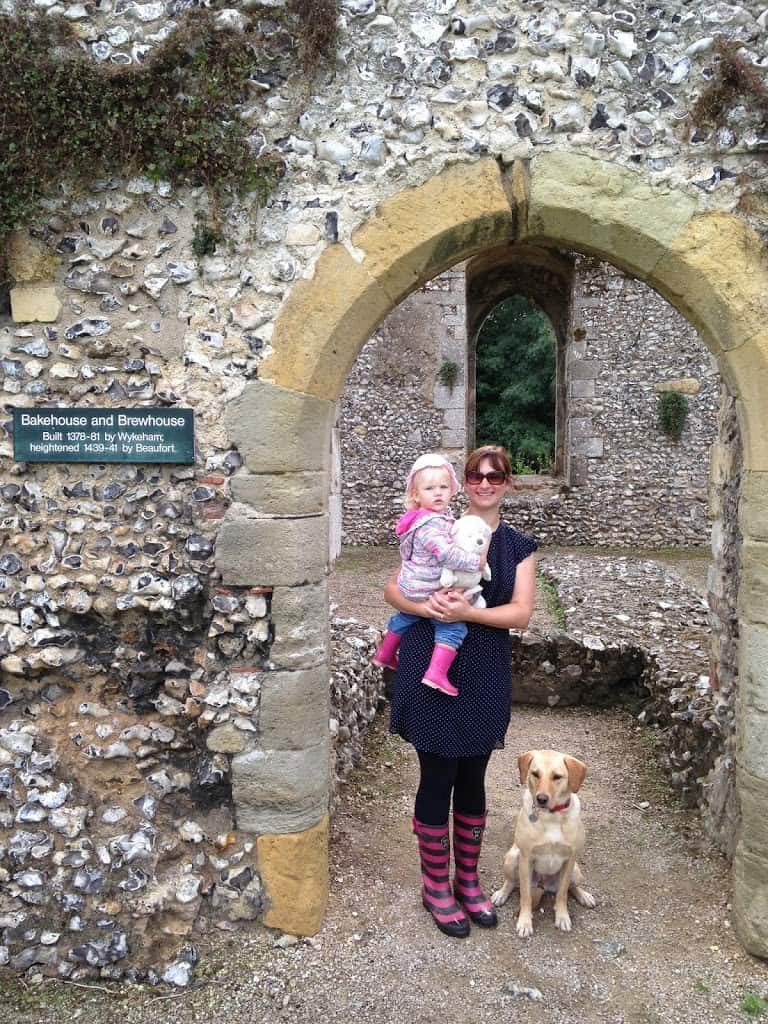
(67, 118)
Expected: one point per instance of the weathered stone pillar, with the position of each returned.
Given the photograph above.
(276, 534)
(751, 861)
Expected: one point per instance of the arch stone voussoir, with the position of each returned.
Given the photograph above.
(753, 505)
(323, 324)
(413, 236)
(418, 233)
(716, 273)
(604, 209)
(746, 371)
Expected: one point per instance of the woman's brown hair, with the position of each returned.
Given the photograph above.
(495, 454)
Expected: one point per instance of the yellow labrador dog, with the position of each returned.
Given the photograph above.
(549, 836)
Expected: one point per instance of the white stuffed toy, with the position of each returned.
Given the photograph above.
(471, 534)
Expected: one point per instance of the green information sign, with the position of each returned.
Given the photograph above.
(103, 435)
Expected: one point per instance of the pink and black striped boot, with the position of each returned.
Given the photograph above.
(467, 841)
(436, 895)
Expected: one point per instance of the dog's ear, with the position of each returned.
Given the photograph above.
(577, 772)
(523, 764)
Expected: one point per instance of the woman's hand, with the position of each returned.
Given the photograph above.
(449, 606)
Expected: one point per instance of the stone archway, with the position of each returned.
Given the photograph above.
(710, 266)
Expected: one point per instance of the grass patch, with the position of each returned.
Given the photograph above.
(548, 590)
(754, 1005)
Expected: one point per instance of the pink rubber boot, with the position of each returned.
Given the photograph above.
(436, 674)
(386, 655)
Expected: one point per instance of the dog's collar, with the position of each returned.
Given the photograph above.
(560, 807)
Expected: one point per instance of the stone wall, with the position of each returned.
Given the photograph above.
(164, 709)
(624, 481)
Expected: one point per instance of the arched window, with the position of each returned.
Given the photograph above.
(516, 384)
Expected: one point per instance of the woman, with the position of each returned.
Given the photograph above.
(455, 736)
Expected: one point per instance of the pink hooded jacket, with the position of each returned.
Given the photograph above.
(426, 548)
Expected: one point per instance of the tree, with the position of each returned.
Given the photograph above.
(515, 384)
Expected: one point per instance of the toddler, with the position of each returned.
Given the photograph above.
(426, 548)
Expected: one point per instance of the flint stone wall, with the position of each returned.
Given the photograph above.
(625, 481)
(131, 675)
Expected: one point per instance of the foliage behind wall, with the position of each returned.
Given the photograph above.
(515, 384)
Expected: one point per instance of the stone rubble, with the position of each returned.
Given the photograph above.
(645, 611)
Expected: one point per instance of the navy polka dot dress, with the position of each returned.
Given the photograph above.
(476, 721)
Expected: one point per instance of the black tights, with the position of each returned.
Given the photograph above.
(441, 776)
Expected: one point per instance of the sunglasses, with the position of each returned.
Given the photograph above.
(495, 477)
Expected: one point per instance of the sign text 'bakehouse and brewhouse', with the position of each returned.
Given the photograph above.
(103, 435)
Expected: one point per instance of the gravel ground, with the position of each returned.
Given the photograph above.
(657, 949)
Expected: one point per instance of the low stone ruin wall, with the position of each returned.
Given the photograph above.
(628, 604)
(357, 693)
(559, 670)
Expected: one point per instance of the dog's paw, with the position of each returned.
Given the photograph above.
(524, 927)
(499, 898)
(563, 921)
(586, 899)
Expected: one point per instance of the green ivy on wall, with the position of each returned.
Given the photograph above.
(67, 118)
(673, 412)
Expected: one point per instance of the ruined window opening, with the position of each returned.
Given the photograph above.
(516, 385)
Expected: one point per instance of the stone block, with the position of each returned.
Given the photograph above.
(589, 447)
(271, 552)
(276, 791)
(454, 419)
(300, 622)
(295, 708)
(34, 303)
(580, 428)
(753, 751)
(602, 208)
(753, 506)
(753, 799)
(282, 494)
(682, 385)
(583, 369)
(452, 439)
(582, 389)
(753, 592)
(29, 259)
(578, 471)
(226, 739)
(753, 668)
(280, 431)
(295, 874)
(750, 900)
(745, 371)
